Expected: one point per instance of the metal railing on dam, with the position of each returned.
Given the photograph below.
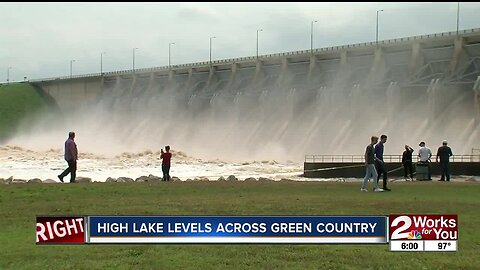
(249, 59)
(386, 158)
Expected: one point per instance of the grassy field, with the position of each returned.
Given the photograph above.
(18, 102)
(20, 204)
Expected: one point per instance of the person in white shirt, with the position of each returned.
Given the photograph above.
(424, 153)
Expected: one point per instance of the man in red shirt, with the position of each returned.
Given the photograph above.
(166, 156)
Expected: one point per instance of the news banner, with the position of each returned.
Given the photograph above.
(407, 232)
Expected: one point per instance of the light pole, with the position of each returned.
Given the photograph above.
(211, 49)
(133, 63)
(8, 75)
(458, 15)
(101, 62)
(259, 30)
(376, 37)
(311, 37)
(71, 64)
(169, 52)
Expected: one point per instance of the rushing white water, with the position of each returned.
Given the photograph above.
(278, 122)
(28, 164)
(274, 114)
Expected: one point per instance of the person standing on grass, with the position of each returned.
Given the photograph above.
(379, 163)
(371, 172)
(424, 153)
(166, 156)
(444, 153)
(407, 162)
(71, 156)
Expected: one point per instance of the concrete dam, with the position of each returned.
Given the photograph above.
(282, 106)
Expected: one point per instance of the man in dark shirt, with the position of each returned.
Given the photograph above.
(166, 156)
(444, 153)
(71, 156)
(370, 167)
(379, 163)
(407, 162)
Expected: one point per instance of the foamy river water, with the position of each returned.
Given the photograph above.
(27, 164)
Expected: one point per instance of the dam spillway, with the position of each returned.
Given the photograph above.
(283, 106)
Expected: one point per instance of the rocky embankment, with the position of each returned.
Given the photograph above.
(150, 178)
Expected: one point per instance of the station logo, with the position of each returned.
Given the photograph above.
(423, 227)
(414, 235)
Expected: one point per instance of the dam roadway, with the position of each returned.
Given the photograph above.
(326, 101)
(426, 64)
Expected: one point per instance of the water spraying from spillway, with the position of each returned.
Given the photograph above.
(279, 112)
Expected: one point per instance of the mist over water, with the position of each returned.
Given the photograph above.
(274, 113)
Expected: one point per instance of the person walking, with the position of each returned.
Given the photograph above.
(71, 156)
(444, 153)
(166, 157)
(407, 162)
(379, 163)
(371, 172)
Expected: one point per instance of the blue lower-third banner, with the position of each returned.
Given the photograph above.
(236, 229)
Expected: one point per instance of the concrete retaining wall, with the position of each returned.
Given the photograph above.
(71, 94)
(457, 168)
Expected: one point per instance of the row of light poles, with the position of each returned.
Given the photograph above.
(101, 62)
(210, 47)
(210, 54)
(378, 11)
(8, 76)
(169, 55)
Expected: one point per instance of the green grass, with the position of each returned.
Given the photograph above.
(19, 102)
(21, 203)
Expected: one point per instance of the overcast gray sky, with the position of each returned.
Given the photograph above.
(38, 40)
